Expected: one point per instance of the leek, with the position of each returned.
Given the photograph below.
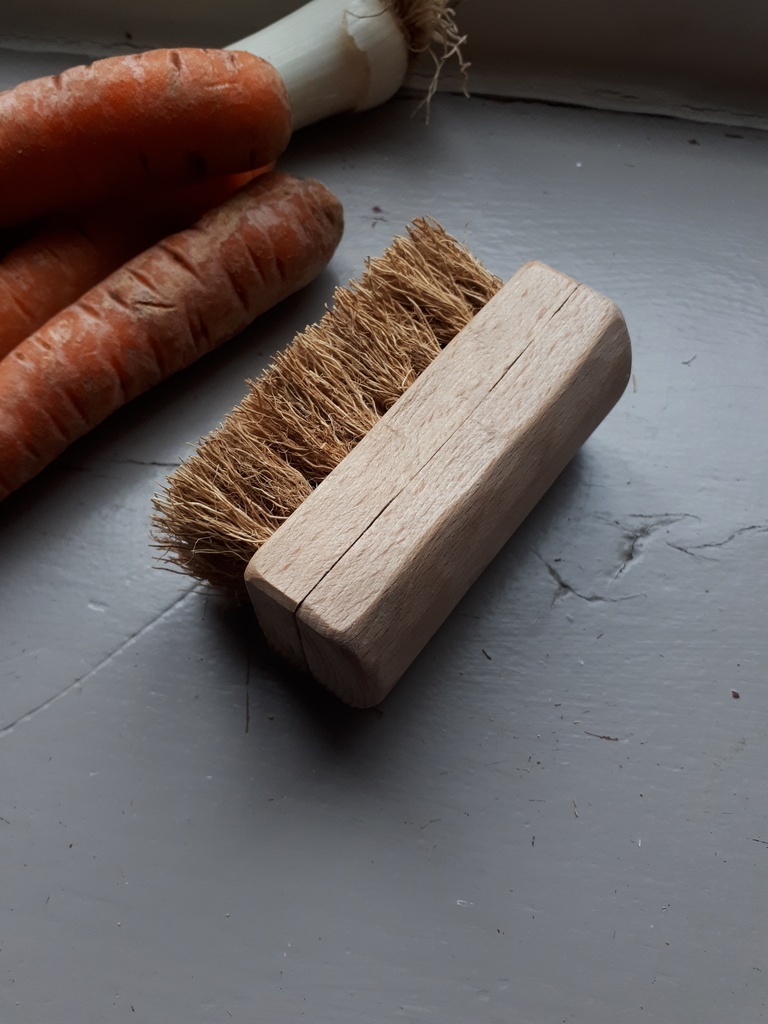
(336, 56)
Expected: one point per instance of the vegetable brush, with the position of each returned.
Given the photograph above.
(379, 464)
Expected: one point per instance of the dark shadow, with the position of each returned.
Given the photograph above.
(274, 682)
(347, 736)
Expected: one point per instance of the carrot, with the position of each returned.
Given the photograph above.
(158, 313)
(168, 116)
(66, 256)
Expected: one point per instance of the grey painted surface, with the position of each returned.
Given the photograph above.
(561, 812)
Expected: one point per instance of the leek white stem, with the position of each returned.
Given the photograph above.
(334, 56)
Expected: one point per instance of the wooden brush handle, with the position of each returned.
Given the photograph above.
(354, 584)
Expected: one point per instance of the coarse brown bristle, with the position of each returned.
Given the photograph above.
(316, 401)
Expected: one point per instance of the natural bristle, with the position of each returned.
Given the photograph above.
(316, 401)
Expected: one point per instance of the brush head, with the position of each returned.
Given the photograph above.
(316, 401)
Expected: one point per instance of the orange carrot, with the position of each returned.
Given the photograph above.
(66, 256)
(158, 313)
(168, 116)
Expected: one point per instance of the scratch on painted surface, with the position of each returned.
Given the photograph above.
(694, 549)
(77, 684)
(564, 588)
(634, 534)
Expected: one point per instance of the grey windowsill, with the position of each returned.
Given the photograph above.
(560, 813)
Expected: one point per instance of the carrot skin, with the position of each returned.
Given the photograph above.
(166, 116)
(159, 313)
(65, 256)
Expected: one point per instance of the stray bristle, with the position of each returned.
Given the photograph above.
(316, 401)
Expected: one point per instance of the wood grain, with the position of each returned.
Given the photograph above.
(355, 583)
